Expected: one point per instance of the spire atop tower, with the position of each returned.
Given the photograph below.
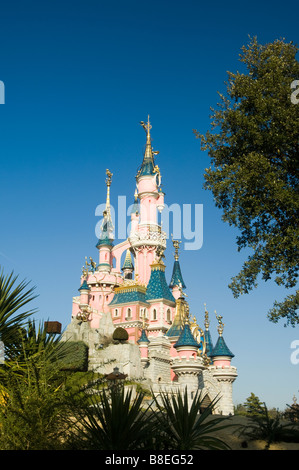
(207, 334)
(107, 227)
(176, 278)
(147, 127)
(220, 327)
(207, 321)
(148, 165)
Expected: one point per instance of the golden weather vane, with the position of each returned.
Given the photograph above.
(176, 245)
(220, 324)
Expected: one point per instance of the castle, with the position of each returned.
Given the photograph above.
(166, 348)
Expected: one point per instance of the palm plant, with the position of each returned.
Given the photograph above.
(113, 420)
(184, 426)
(35, 411)
(271, 429)
(13, 297)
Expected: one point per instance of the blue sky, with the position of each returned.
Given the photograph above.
(79, 76)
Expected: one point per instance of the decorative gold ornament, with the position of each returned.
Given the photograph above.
(220, 324)
(176, 245)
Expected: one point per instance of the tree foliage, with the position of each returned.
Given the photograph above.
(14, 296)
(254, 150)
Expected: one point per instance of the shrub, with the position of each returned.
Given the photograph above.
(120, 334)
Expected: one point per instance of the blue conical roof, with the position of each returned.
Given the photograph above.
(209, 344)
(143, 338)
(186, 338)
(177, 278)
(221, 349)
(84, 286)
(157, 287)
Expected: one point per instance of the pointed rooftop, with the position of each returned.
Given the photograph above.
(143, 338)
(221, 348)
(128, 262)
(107, 228)
(186, 338)
(157, 287)
(148, 164)
(208, 338)
(176, 278)
(84, 286)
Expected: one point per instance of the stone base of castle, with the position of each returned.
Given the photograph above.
(154, 371)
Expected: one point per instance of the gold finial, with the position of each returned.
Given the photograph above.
(109, 177)
(220, 324)
(176, 245)
(147, 127)
(207, 322)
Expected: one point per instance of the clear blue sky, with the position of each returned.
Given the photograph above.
(79, 76)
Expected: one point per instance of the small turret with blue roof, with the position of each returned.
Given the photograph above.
(128, 267)
(176, 278)
(221, 354)
(186, 339)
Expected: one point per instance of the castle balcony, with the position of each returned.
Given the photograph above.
(151, 235)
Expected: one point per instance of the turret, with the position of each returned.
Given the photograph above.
(221, 355)
(143, 343)
(105, 243)
(177, 282)
(128, 267)
(222, 371)
(84, 290)
(146, 235)
(186, 345)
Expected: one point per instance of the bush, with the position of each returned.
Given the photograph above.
(76, 357)
(120, 334)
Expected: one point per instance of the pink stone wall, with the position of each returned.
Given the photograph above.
(221, 362)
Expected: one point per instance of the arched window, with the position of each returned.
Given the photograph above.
(129, 313)
(154, 314)
(116, 312)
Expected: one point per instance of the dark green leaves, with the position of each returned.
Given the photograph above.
(254, 151)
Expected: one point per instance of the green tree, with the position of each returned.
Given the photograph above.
(253, 405)
(269, 428)
(254, 151)
(37, 397)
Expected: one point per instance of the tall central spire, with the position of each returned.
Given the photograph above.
(148, 149)
(107, 227)
(148, 164)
